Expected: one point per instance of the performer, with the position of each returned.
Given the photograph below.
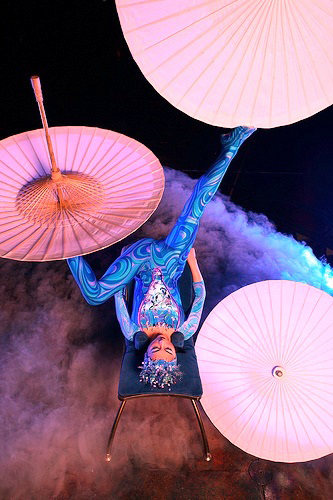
(156, 266)
(159, 366)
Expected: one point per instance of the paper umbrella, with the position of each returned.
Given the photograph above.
(251, 62)
(265, 356)
(107, 185)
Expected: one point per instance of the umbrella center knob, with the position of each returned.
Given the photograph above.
(278, 371)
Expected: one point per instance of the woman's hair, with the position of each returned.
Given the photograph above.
(159, 373)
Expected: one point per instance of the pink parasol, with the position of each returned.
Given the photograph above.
(265, 355)
(107, 186)
(259, 62)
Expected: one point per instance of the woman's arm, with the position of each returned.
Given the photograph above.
(194, 266)
(128, 327)
(190, 326)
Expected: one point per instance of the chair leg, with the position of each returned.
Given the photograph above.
(208, 456)
(113, 430)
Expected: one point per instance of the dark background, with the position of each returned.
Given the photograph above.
(89, 78)
(60, 357)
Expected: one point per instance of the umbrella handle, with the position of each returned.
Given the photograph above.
(36, 85)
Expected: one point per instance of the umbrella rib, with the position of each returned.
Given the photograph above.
(314, 384)
(272, 319)
(202, 49)
(277, 7)
(262, 338)
(34, 150)
(296, 396)
(214, 341)
(184, 28)
(285, 59)
(91, 138)
(259, 403)
(108, 152)
(292, 349)
(293, 422)
(258, 346)
(239, 378)
(175, 15)
(300, 313)
(272, 390)
(42, 197)
(98, 149)
(290, 15)
(283, 399)
(19, 244)
(321, 363)
(75, 235)
(232, 408)
(51, 239)
(226, 62)
(31, 249)
(220, 354)
(19, 225)
(298, 359)
(232, 340)
(4, 183)
(154, 164)
(281, 322)
(224, 390)
(77, 146)
(128, 166)
(263, 62)
(308, 360)
(306, 414)
(108, 220)
(301, 386)
(226, 383)
(35, 198)
(217, 38)
(265, 319)
(122, 183)
(122, 160)
(287, 334)
(320, 6)
(111, 181)
(254, 31)
(91, 216)
(309, 52)
(16, 172)
(298, 57)
(117, 204)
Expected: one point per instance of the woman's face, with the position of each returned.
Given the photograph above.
(161, 348)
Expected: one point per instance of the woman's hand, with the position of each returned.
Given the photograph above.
(192, 259)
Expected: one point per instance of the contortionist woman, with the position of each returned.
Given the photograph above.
(156, 266)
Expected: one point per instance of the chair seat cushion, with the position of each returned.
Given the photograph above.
(130, 385)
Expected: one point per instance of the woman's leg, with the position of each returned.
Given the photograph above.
(182, 236)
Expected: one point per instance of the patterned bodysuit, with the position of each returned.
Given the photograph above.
(142, 259)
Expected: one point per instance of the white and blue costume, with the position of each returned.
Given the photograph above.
(156, 265)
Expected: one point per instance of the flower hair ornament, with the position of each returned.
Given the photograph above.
(159, 373)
